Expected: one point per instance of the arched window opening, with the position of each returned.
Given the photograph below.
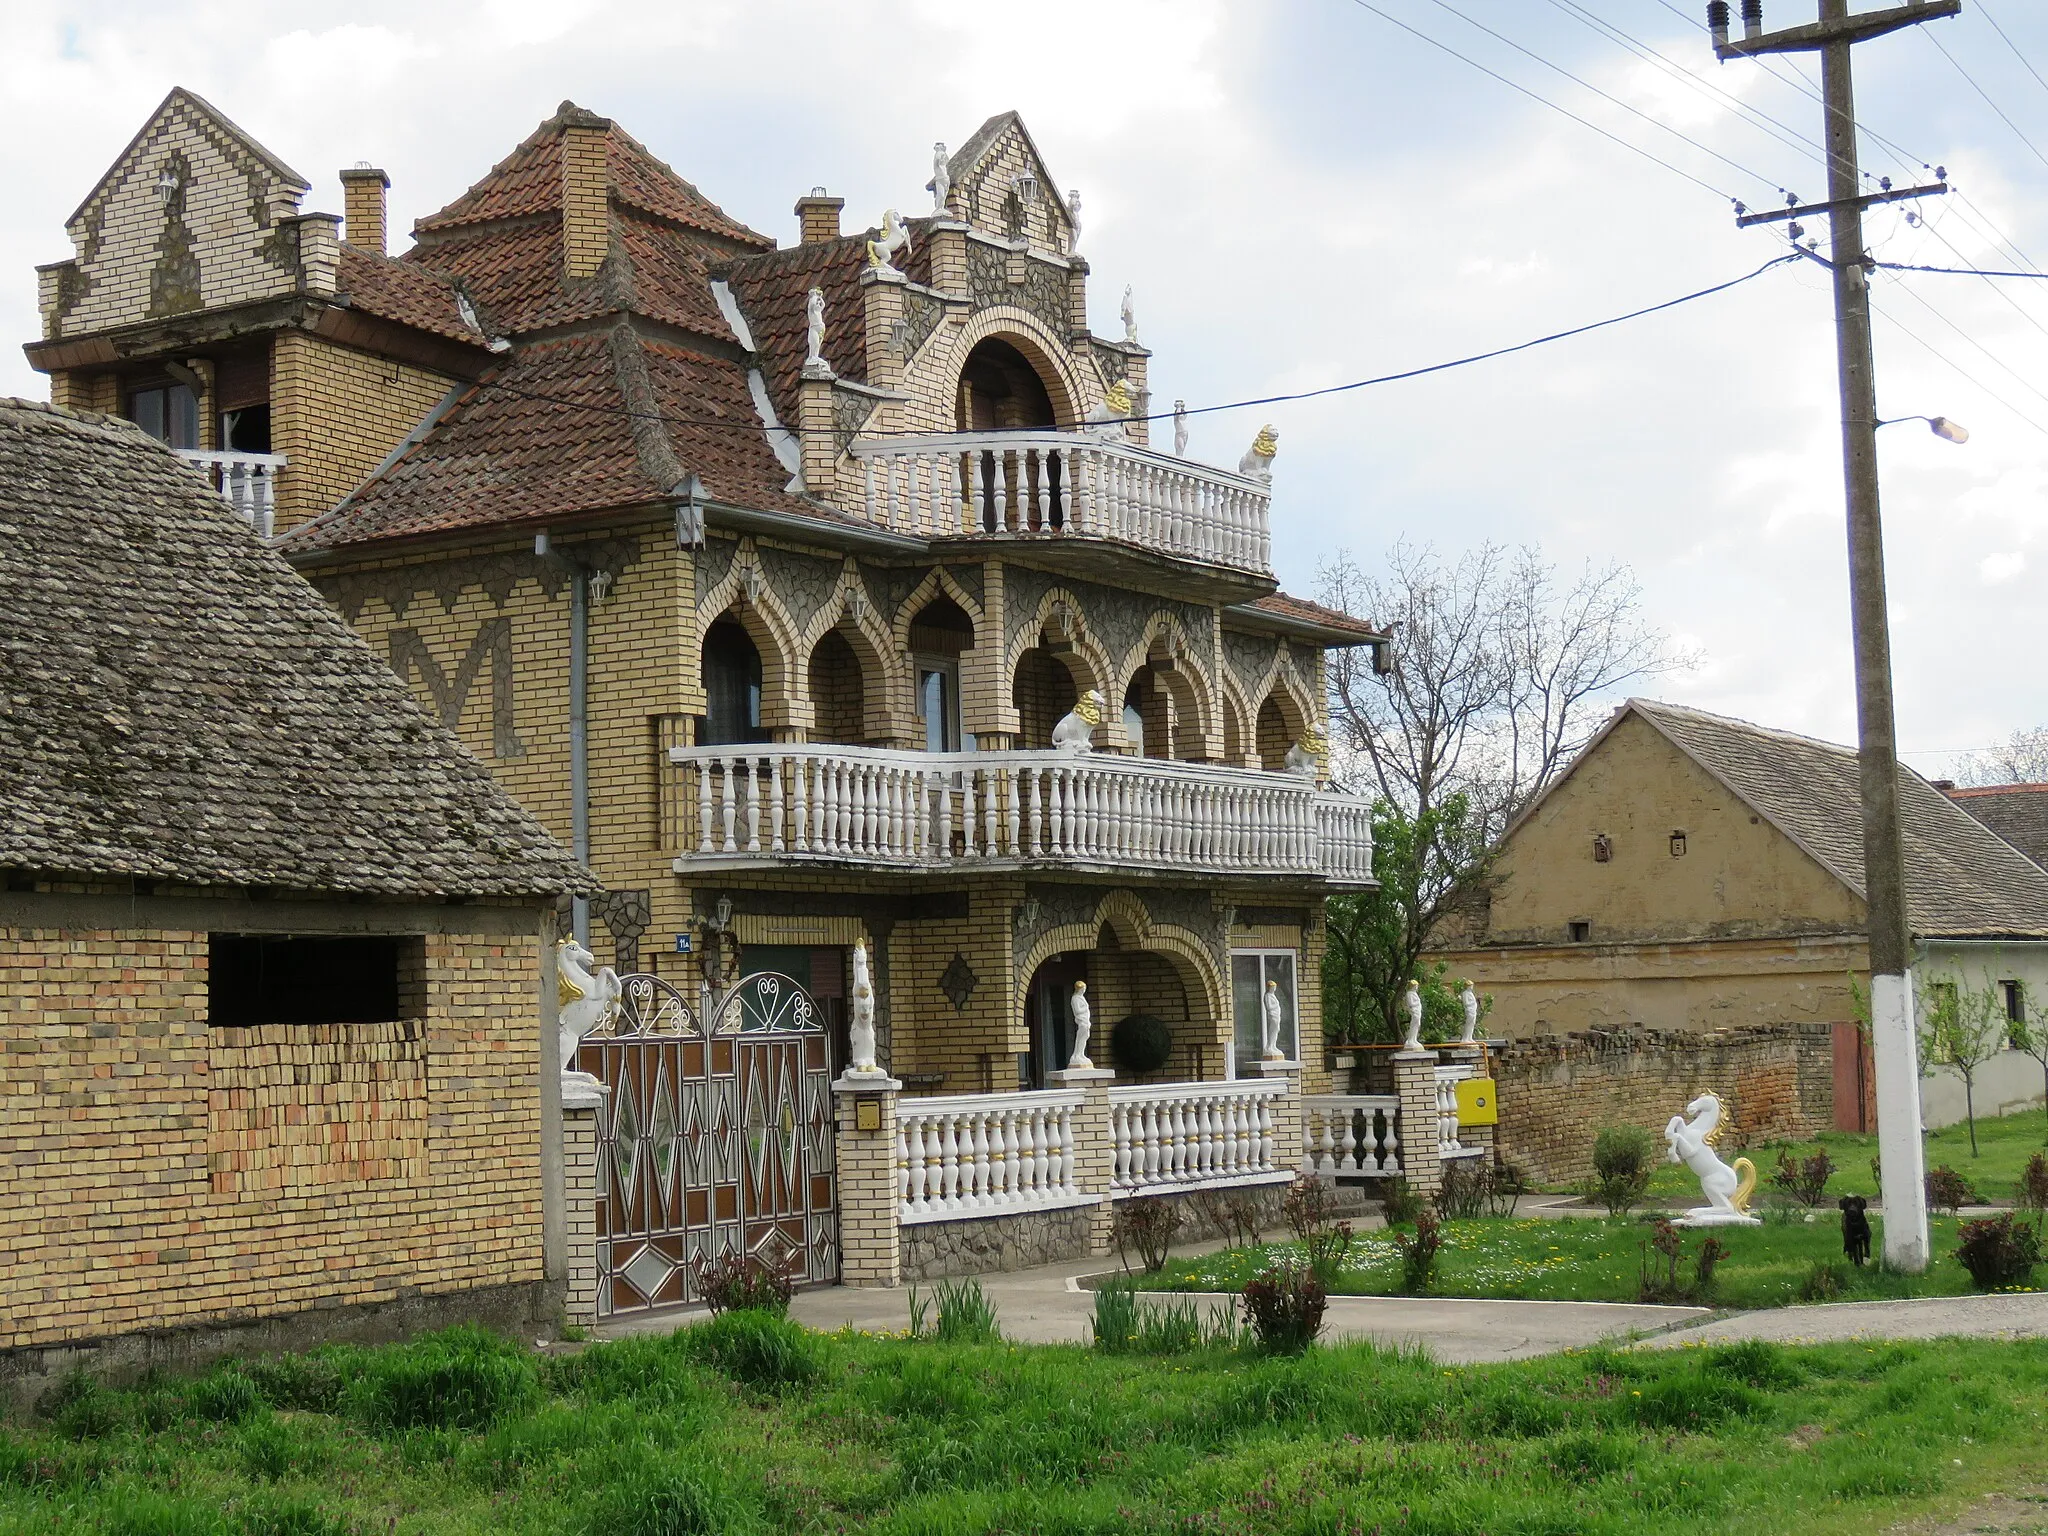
(1275, 736)
(1015, 490)
(1043, 691)
(940, 634)
(839, 696)
(1148, 715)
(1233, 733)
(732, 686)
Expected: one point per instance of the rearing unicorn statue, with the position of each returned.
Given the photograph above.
(1727, 1188)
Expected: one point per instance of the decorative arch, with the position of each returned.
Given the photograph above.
(1047, 353)
(1163, 646)
(938, 582)
(1075, 650)
(1282, 685)
(1125, 914)
(1237, 722)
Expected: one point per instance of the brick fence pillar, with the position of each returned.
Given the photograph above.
(1415, 1082)
(870, 1194)
(1286, 1110)
(583, 1101)
(1094, 1149)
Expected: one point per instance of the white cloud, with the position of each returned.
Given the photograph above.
(1996, 570)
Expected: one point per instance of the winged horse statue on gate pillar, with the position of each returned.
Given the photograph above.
(1727, 1188)
(586, 993)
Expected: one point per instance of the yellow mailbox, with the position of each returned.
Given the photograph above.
(1476, 1103)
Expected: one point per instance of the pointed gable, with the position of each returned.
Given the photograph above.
(984, 171)
(193, 214)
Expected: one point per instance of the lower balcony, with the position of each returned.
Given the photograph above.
(754, 806)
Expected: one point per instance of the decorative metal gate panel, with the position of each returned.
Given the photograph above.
(714, 1142)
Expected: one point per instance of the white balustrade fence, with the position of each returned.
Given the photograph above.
(986, 1154)
(1066, 484)
(247, 480)
(1188, 1135)
(1447, 1143)
(920, 809)
(1351, 1134)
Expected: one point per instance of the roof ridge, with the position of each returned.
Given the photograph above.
(1957, 791)
(1778, 733)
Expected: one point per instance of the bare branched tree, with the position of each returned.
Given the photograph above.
(1500, 675)
(2021, 759)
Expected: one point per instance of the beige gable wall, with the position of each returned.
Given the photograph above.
(1740, 876)
(218, 243)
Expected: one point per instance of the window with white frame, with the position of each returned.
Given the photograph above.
(1251, 972)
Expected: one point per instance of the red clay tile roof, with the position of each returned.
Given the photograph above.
(1303, 611)
(529, 181)
(773, 291)
(551, 436)
(403, 291)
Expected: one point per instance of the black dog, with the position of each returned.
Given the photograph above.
(1855, 1229)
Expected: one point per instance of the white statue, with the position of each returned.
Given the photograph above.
(1074, 220)
(1269, 1024)
(586, 996)
(1076, 731)
(1469, 1000)
(1300, 760)
(1727, 1189)
(1084, 1019)
(895, 237)
(1107, 417)
(1180, 429)
(814, 335)
(941, 184)
(1412, 1001)
(1258, 459)
(1130, 318)
(860, 1014)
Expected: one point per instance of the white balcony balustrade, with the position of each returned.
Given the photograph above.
(736, 806)
(1193, 1136)
(248, 481)
(987, 1154)
(1351, 1135)
(1066, 485)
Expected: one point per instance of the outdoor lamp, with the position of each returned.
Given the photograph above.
(166, 186)
(1948, 431)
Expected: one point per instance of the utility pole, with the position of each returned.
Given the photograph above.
(1901, 1156)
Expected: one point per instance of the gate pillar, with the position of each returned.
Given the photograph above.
(1421, 1134)
(583, 1098)
(870, 1187)
(1094, 1150)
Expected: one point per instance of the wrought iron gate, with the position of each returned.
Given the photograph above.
(714, 1142)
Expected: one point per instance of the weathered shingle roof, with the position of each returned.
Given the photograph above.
(176, 704)
(2016, 812)
(1961, 880)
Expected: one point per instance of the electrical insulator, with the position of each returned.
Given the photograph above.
(1752, 19)
(1717, 22)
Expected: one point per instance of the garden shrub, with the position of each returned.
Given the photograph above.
(305, 1383)
(966, 1315)
(464, 1378)
(1948, 1191)
(1663, 1252)
(1804, 1179)
(2031, 1193)
(1115, 1326)
(1147, 1224)
(79, 1407)
(1473, 1187)
(1419, 1251)
(756, 1349)
(1141, 1043)
(741, 1282)
(1283, 1306)
(1998, 1251)
(1310, 1207)
(1399, 1204)
(1237, 1215)
(1624, 1156)
(1828, 1280)
(225, 1397)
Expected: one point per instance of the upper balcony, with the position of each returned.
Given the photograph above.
(247, 480)
(757, 806)
(1068, 488)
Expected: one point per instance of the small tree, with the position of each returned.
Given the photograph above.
(1962, 1028)
(2030, 1034)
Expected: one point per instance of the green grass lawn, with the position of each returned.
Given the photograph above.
(1595, 1259)
(736, 1428)
(2004, 1145)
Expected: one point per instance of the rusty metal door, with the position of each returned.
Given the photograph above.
(714, 1142)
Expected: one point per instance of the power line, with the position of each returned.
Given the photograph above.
(1205, 410)
(1989, 355)
(1940, 356)
(1444, 5)
(1541, 99)
(1914, 266)
(1994, 106)
(2015, 47)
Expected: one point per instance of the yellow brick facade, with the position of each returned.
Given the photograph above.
(164, 1173)
(335, 414)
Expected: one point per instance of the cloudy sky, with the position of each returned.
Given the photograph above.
(1303, 193)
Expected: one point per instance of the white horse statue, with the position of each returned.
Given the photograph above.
(860, 1015)
(1727, 1188)
(895, 237)
(587, 995)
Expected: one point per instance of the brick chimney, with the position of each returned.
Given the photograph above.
(362, 191)
(586, 202)
(818, 217)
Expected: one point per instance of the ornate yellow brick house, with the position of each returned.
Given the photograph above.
(820, 596)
